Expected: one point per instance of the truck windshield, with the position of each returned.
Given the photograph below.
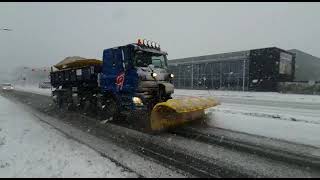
(144, 59)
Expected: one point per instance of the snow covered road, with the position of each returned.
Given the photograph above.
(30, 148)
(259, 165)
(290, 117)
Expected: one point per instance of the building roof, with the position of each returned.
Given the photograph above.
(219, 57)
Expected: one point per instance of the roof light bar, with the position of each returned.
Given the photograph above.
(148, 43)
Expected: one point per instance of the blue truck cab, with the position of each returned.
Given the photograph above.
(136, 75)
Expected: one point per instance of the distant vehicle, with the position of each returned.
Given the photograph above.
(7, 86)
(45, 85)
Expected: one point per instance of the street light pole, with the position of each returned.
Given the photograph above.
(243, 74)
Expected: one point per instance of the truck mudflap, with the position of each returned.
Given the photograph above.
(176, 112)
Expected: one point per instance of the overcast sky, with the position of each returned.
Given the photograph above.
(45, 33)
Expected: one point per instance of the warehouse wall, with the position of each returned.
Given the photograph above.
(230, 71)
(221, 71)
(212, 75)
(307, 66)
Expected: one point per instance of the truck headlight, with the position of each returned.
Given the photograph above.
(154, 74)
(171, 75)
(137, 101)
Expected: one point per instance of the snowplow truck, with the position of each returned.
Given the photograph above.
(131, 81)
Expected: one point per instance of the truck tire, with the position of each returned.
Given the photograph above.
(59, 102)
(108, 108)
(87, 105)
(142, 120)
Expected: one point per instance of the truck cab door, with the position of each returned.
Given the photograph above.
(112, 68)
(131, 76)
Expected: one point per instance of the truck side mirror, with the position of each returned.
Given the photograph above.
(127, 65)
(127, 53)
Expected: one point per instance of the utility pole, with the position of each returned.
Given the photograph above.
(192, 73)
(220, 65)
(243, 74)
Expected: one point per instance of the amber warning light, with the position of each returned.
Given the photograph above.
(148, 43)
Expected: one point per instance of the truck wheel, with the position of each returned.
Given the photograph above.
(111, 108)
(142, 120)
(71, 107)
(61, 104)
(87, 106)
(59, 101)
(107, 108)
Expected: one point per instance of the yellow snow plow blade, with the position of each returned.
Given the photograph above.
(175, 112)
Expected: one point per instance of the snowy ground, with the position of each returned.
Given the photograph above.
(291, 117)
(30, 148)
(34, 89)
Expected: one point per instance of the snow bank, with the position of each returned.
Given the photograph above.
(276, 113)
(290, 117)
(33, 89)
(30, 148)
(292, 131)
(266, 96)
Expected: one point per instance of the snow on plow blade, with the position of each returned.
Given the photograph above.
(176, 112)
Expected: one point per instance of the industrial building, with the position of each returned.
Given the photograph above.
(256, 69)
(307, 67)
